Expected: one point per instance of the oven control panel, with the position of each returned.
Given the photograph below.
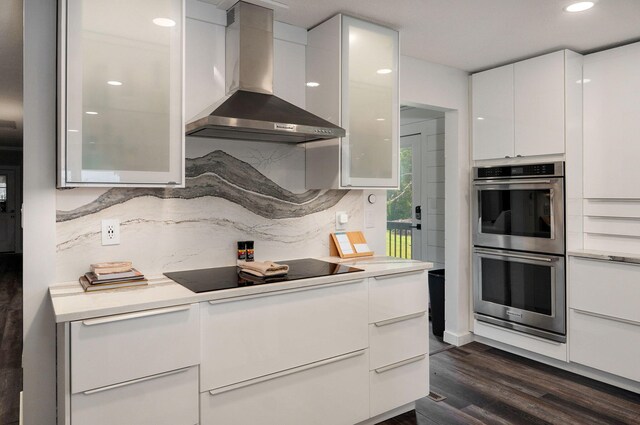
(524, 170)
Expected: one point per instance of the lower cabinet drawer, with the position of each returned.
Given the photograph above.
(605, 344)
(165, 399)
(332, 391)
(398, 339)
(398, 384)
(398, 295)
(124, 347)
(248, 338)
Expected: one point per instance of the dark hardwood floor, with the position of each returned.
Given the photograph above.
(10, 337)
(484, 385)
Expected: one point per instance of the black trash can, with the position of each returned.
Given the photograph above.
(436, 297)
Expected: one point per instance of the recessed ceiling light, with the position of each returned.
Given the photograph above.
(312, 84)
(164, 22)
(384, 71)
(72, 131)
(480, 118)
(379, 119)
(580, 6)
(91, 113)
(114, 83)
(585, 81)
(352, 37)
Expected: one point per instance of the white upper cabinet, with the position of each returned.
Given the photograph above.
(492, 105)
(539, 105)
(121, 93)
(611, 123)
(519, 110)
(352, 81)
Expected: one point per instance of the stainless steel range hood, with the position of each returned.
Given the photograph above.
(250, 111)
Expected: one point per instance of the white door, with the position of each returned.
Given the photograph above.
(8, 201)
(404, 207)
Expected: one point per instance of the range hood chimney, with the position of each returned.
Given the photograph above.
(250, 111)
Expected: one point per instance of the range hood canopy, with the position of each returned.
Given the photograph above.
(250, 111)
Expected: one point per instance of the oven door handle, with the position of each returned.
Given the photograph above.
(520, 256)
(510, 181)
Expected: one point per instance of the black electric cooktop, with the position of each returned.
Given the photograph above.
(216, 279)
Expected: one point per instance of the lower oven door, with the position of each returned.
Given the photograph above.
(521, 291)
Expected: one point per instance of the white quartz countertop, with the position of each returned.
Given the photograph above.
(621, 257)
(70, 302)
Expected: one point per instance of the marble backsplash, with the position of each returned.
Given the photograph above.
(234, 191)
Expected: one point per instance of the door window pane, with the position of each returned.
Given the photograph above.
(399, 206)
(3, 193)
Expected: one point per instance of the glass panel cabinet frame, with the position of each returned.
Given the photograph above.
(174, 177)
(346, 179)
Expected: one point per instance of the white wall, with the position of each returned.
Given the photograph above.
(428, 84)
(39, 210)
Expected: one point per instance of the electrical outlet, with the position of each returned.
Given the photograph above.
(111, 232)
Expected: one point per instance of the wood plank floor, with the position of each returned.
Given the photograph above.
(10, 337)
(484, 385)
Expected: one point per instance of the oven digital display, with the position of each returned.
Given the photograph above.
(517, 171)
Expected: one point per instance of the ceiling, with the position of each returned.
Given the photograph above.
(11, 74)
(475, 35)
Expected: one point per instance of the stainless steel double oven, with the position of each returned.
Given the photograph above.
(519, 248)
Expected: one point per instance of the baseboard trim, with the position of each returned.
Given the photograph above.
(457, 339)
(21, 416)
(598, 375)
(390, 414)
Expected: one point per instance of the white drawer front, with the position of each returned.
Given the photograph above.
(393, 387)
(165, 399)
(604, 344)
(608, 288)
(119, 348)
(398, 295)
(332, 392)
(398, 339)
(249, 338)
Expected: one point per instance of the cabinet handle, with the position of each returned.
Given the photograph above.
(507, 156)
(136, 315)
(511, 181)
(399, 364)
(519, 156)
(283, 291)
(604, 316)
(399, 319)
(285, 373)
(511, 255)
(391, 276)
(135, 381)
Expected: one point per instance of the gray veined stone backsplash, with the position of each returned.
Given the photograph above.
(225, 199)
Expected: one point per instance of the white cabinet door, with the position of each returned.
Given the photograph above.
(398, 339)
(611, 124)
(539, 105)
(121, 93)
(605, 344)
(112, 349)
(398, 295)
(333, 391)
(248, 338)
(492, 108)
(170, 398)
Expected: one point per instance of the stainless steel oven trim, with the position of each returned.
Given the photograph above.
(521, 328)
(558, 171)
(555, 323)
(554, 245)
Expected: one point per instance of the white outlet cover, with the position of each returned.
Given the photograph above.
(111, 232)
(342, 219)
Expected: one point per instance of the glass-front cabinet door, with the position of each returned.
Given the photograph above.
(370, 107)
(121, 93)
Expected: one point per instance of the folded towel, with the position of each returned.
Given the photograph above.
(264, 268)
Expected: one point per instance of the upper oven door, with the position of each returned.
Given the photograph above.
(521, 214)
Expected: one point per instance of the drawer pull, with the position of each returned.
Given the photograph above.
(400, 364)
(604, 316)
(391, 276)
(284, 291)
(285, 373)
(135, 381)
(399, 319)
(136, 315)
